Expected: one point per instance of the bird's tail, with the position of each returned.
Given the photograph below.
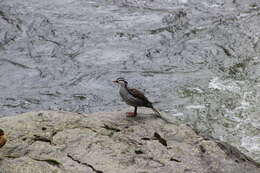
(156, 111)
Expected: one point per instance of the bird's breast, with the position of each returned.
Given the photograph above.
(129, 98)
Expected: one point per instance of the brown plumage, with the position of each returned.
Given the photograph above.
(2, 138)
(133, 97)
(138, 94)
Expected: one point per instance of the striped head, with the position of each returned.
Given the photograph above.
(121, 81)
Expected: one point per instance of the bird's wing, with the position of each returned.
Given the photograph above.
(138, 94)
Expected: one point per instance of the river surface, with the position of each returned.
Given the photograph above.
(198, 60)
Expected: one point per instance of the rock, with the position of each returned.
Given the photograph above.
(109, 142)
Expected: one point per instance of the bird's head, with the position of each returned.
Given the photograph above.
(121, 81)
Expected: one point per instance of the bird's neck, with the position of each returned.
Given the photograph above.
(124, 89)
(123, 85)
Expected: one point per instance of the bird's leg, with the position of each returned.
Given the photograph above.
(132, 114)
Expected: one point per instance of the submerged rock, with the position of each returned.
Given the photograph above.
(109, 142)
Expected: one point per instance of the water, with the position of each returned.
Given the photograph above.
(196, 59)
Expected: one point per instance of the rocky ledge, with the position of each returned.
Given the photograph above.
(58, 142)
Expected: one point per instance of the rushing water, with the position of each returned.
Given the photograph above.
(198, 60)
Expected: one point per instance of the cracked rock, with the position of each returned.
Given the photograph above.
(101, 143)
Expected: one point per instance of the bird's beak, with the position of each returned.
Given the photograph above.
(115, 81)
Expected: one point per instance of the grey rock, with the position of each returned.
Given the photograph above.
(109, 142)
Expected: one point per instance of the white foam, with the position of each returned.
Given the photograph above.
(195, 107)
(178, 114)
(251, 143)
(227, 85)
(198, 90)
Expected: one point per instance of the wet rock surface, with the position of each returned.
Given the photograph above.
(109, 142)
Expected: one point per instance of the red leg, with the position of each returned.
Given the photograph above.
(132, 114)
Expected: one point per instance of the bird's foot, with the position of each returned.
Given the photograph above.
(131, 114)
